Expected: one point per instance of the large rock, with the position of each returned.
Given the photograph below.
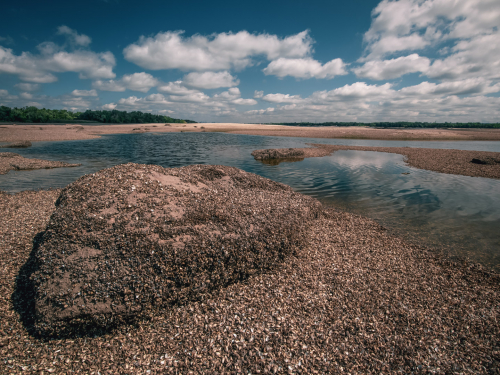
(132, 239)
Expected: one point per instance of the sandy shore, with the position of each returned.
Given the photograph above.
(10, 161)
(355, 300)
(16, 133)
(458, 162)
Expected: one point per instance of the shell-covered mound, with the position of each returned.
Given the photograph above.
(129, 240)
(278, 153)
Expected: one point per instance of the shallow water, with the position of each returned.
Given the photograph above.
(456, 213)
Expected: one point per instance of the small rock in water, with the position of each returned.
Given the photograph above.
(278, 153)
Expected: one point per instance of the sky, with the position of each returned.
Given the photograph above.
(256, 61)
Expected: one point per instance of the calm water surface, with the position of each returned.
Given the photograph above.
(456, 213)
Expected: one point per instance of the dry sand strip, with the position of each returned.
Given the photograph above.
(361, 132)
(460, 162)
(356, 300)
(47, 132)
(10, 161)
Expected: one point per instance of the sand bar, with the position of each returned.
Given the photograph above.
(460, 162)
(10, 161)
(15, 133)
(355, 300)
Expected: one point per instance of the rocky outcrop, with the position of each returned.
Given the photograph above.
(129, 240)
(278, 153)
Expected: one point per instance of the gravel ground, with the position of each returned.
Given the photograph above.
(354, 300)
(460, 162)
(10, 161)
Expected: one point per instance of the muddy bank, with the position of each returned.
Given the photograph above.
(354, 299)
(10, 161)
(47, 132)
(460, 162)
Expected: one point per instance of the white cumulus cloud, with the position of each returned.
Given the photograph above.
(233, 95)
(193, 97)
(305, 68)
(176, 88)
(40, 68)
(414, 24)
(28, 86)
(475, 57)
(26, 95)
(110, 85)
(210, 80)
(84, 93)
(109, 106)
(73, 36)
(282, 98)
(394, 68)
(463, 87)
(260, 111)
(142, 82)
(258, 94)
(355, 91)
(224, 51)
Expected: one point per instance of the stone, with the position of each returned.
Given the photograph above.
(129, 241)
(278, 153)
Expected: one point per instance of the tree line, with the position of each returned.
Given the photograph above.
(397, 124)
(36, 115)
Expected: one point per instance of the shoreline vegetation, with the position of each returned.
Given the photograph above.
(47, 116)
(354, 299)
(36, 115)
(458, 162)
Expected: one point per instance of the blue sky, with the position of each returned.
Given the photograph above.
(258, 61)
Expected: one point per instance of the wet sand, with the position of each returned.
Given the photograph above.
(355, 300)
(10, 161)
(438, 160)
(16, 133)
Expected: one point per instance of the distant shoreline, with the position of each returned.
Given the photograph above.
(72, 131)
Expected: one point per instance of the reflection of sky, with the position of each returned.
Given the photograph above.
(459, 211)
(445, 209)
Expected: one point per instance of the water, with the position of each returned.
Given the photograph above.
(457, 214)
